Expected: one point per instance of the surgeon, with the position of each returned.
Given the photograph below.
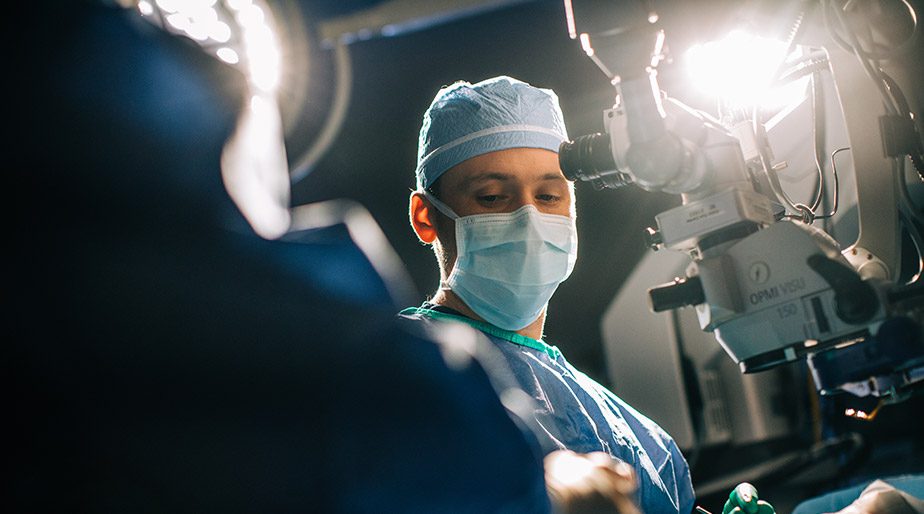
(500, 216)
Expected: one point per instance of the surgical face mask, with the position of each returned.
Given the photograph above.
(508, 265)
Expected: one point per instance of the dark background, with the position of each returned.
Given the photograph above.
(394, 80)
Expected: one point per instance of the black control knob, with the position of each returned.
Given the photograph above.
(653, 238)
(855, 301)
(679, 293)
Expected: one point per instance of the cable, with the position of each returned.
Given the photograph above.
(813, 63)
(883, 51)
(818, 136)
(853, 46)
(794, 31)
(900, 101)
(830, 27)
(892, 96)
(915, 234)
(910, 215)
(809, 64)
(806, 213)
(836, 182)
(886, 52)
(306, 163)
(915, 211)
(917, 158)
(768, 170)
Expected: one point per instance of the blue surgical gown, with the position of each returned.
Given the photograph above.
(573, 411)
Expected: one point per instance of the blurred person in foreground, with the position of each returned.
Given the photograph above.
(164, 357)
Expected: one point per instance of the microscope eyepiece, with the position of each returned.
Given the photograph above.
(590, 158)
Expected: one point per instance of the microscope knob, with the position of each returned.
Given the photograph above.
(855, 300)
(653, 238)
(679, 293)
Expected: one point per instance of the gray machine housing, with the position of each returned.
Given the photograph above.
(645, 351)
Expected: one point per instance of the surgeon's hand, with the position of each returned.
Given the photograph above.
(590, 483)
(881, 498)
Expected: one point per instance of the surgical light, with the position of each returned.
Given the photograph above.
(237, 5)
(239, 32)
(220, 31)
(228, 55)
(739, 70)
(242, 33)
(145, 8)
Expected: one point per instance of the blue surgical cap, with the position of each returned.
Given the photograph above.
(466, 120)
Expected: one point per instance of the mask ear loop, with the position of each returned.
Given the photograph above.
(451, 214)
(440, 206)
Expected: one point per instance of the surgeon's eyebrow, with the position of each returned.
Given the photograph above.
(485, 176)
(500, 176)
(553, 175)
(488, 175)
(504, 176)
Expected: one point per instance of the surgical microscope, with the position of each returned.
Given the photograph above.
(764, 275)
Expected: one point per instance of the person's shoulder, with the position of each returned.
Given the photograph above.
(460, 343)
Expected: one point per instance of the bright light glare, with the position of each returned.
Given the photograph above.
(738, 69)
(254, 166)
(178, 21)
(237, 4)
(787, 94)
(220, 31)
(250, 16)
(169, 6)
(568, 469)
(255, 170)
(585, 44)
(199, 20)
(228, 55)
(249, 40)
(262, 56)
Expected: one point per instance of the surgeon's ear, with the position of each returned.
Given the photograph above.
(420, 218)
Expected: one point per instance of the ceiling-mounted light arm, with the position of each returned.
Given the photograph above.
(343, 76)
(397, 17)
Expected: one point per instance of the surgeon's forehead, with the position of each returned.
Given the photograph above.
(515, 165)
(476, 177)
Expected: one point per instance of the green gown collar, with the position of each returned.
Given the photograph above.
(506, 335)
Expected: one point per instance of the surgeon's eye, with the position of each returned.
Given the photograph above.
(548, 198)
(489, 199)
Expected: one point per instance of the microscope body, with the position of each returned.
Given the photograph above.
(770, 285)
(753, 287)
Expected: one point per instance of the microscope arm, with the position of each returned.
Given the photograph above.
(875, 254)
